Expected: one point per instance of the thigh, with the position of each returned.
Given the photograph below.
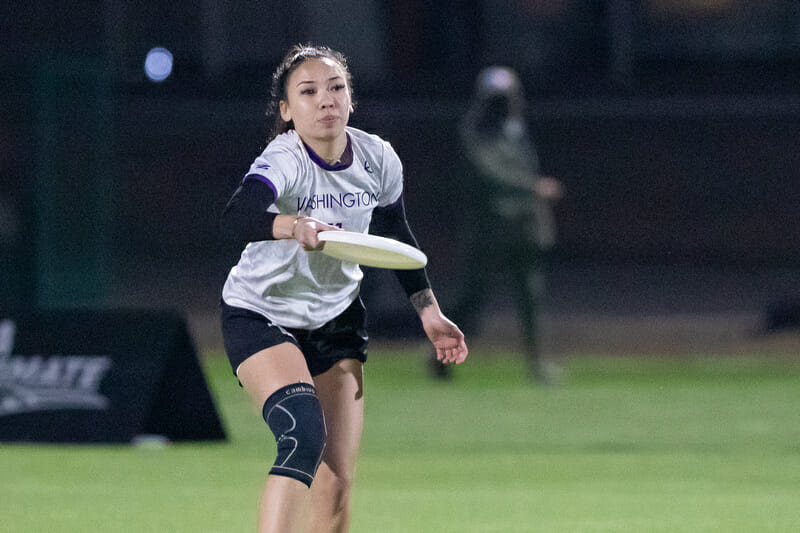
(246, 333)
(341, 393)
(344, 337)
(266, 371)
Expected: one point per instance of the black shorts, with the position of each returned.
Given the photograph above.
(245, 333)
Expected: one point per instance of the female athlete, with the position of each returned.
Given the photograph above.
(292, 318)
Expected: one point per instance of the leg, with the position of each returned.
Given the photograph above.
(340, 391)
(282, 500)
(467, 309)
(529, 284)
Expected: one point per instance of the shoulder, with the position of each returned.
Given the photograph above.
(364, 139)
(286, 148)
(373, 145)
(280, 163)
(380, 160)
(369, 141)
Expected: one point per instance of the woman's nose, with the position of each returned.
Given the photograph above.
(326, 100)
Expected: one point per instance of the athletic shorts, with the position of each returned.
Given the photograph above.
(245, 333)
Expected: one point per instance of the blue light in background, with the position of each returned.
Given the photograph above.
(158, 64)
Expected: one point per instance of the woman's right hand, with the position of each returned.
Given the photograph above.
(302, 229)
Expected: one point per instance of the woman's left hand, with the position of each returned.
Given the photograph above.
(445, 336)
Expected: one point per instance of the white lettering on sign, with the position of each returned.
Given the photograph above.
(46, 383)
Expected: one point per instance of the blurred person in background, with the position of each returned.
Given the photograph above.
(292, 319)
(513, 205)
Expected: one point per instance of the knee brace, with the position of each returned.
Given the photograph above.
(294, 415)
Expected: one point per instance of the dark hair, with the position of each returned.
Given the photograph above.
(296, 56)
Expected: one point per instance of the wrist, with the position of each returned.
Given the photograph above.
(296, 220)
(424, 302)
(285, 226)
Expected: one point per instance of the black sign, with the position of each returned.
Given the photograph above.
(102, 376)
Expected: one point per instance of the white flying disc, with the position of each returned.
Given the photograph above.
(371, 250)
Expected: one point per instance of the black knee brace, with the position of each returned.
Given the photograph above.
(294, 415)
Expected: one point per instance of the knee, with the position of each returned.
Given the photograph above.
(335, 488)
(295, 417)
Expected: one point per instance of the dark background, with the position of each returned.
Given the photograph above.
(674, 126)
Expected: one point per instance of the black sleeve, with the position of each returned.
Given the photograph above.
(245, 218)
(390, 221)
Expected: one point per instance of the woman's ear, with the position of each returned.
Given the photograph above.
(284, 108)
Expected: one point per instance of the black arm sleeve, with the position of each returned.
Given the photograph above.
(390, 221)
(245, 218)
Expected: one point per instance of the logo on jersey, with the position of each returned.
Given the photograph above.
(348, 200)
(263, 166)
(367, 167)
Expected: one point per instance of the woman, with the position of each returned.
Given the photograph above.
(292, 320)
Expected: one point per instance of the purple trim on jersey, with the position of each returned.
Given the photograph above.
(346, 161)
(259, 177)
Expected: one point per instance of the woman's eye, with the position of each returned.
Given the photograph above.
(307, 91)
(337, 87)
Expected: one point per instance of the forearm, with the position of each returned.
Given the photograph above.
(246, 217)
(285, 226)
(447, 339)
(424, 302)
(390, 221)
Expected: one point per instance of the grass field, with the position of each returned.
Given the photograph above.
(625, 445)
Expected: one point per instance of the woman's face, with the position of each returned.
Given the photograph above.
(317, 100)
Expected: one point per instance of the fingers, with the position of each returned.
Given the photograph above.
(306, 231)
(461, 354)
(448, 341)
(456, 353)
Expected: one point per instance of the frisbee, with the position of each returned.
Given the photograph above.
(371, 250)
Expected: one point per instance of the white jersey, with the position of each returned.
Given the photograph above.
(277, 278)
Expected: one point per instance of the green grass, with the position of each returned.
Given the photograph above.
(625, 445)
